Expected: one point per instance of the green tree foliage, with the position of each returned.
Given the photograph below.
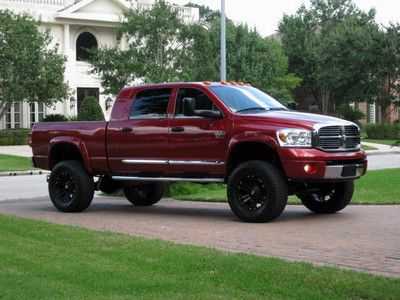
(90, 110)
(250, 58)
(30, 70)
(351, 114)
(336, 49)
(157, 46)
(163, 48)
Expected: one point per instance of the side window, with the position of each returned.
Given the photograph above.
(150, 104)
(202, 101)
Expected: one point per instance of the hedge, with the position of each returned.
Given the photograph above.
(382, 131)
(55, 118)
(14, 136)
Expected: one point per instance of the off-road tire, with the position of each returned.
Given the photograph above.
(144, 195)
(71, 188)
(257, 191)
(339, 196)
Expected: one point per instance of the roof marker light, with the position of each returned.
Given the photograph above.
(207, 82)
(223, 82)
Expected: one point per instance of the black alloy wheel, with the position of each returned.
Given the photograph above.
(71, 188)
(257, 191)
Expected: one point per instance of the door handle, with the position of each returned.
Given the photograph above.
(177, 129)
(127, 129)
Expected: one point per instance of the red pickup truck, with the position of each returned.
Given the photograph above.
(203, 132)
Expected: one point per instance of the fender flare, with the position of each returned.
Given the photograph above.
(255, 137)
(77, 143)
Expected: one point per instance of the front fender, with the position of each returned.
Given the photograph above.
(257, 137)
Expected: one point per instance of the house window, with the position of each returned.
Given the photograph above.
(36, 113)
(13, 116)
(85, 41)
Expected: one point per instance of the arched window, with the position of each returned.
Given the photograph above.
(85, 41)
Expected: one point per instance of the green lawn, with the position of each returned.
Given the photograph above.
(376, 187)
(46, 261)
(14, 163)
(384, 142)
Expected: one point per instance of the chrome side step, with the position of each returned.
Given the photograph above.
(168, 179)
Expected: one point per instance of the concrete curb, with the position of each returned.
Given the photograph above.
(381, 152)
(23, 173)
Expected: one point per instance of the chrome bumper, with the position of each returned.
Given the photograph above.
(344, 171)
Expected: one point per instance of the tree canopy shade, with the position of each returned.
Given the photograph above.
(29, 69)
(163, 48)
(340, 52)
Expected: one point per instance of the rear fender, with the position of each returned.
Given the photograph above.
(78, 143)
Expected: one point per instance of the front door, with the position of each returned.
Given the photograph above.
(142, 137)
(197, 145)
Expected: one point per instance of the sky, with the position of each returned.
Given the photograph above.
(265, 15)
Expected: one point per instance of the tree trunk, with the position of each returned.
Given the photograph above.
(325, 102)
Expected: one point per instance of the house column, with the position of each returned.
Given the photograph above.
(67, 66)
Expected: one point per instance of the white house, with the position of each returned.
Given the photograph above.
(76, 24)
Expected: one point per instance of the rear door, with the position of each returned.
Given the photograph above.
(142, 137)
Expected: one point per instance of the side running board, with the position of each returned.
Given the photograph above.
(168, 179)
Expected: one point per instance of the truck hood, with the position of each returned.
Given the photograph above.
(295, 119)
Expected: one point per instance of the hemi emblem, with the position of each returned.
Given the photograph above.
(219, 134)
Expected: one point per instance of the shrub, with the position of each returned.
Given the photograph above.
(55, 118)
(14, 136)
(350, 114)
(382, 131)
(90, 110)
(72, 118)
(186, 188)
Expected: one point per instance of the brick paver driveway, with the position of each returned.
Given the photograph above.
(366, 238)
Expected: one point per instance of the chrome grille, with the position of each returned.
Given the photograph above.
(338, 138)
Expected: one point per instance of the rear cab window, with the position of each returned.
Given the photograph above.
(150, 104)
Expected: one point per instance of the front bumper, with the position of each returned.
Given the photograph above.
(327, 166)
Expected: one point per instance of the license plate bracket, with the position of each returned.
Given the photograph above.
(349, 171)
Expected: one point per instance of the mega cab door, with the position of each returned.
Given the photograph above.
(142, 137)
(197, 145)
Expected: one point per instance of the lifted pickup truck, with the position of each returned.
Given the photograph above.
(205, 133)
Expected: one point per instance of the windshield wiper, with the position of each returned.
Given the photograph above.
(278, 108)
(251, 108)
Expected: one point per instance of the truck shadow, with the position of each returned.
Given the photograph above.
(203, 210)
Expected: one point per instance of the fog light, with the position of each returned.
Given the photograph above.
(310, 168)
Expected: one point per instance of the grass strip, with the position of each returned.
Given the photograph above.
(46, 261)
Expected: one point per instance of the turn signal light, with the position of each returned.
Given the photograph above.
(310, 169)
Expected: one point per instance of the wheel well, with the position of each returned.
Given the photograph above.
(251, 151)
(64, 151)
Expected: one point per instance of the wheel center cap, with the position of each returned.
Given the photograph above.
(255, 191)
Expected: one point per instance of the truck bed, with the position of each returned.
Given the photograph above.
(88, 136)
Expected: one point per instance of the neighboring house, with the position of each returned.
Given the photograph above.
(74, 25)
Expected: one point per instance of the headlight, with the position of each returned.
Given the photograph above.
(293, 137)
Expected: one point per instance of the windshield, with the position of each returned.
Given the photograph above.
(245, 99)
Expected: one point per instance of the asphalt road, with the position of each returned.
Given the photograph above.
(366, 238)
(384, 161)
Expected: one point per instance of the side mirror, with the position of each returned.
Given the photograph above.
(292, 106)
(189, 106)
